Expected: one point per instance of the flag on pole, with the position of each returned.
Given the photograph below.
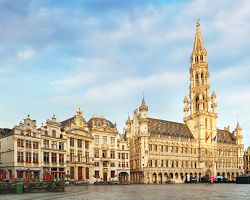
(207, 136)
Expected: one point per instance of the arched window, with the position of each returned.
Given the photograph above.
(53, 133)
(202, 78)
(201, 57)
(197, 58)
(197, 79)
(197, 103)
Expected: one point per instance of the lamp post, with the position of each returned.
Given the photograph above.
(28, 174)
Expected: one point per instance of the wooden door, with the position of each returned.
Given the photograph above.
(104, 176)
(79, 173)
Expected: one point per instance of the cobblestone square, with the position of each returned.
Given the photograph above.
(141, 192)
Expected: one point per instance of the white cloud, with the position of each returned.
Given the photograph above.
(232, 74)
(129, 86)
(85, 71)
(26, 54)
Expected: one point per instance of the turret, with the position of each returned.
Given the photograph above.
(143, 109)
(128, 122)
(238, 133)
(128, 128)
(143, 117)
(214, 104)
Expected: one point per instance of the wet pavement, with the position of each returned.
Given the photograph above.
(140, 192)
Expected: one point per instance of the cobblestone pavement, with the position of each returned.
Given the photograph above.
(141, 192)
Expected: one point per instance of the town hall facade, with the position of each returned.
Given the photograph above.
(161, 150)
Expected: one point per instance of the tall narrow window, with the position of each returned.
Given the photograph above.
(197, 79)
(202, 78)
(197, 103)
(204, 105)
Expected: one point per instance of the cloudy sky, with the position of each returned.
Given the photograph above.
(101, 55)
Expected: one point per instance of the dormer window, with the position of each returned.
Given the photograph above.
(99, 123)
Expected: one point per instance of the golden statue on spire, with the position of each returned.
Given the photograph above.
(79, 112)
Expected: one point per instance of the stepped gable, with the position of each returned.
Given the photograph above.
(224, 136)
(168, 128)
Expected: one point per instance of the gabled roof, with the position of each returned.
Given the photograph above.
(224, 136)
(168, 128)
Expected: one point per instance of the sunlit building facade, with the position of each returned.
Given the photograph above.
(53, 148)
(79, 160)
(161, 150)
(20, 150)
(247, 160)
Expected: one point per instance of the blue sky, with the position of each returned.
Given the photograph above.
(56, 56)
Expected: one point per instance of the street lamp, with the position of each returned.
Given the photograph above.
(28, 172)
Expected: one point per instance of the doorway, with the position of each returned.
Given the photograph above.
(105, 175)
(79, 173)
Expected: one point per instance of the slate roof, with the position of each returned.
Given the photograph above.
(168, 128)
(99, 121)
(67, 122)
(224, 136)
(4, 132)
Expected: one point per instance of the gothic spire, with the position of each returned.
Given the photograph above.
(128, 120)
(198, 42)
(143, 105)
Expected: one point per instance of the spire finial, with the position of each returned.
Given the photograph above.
(143, 100)
(128, 120)
(79, 112)
(198, 23)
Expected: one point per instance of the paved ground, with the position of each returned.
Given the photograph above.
(141, 192)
